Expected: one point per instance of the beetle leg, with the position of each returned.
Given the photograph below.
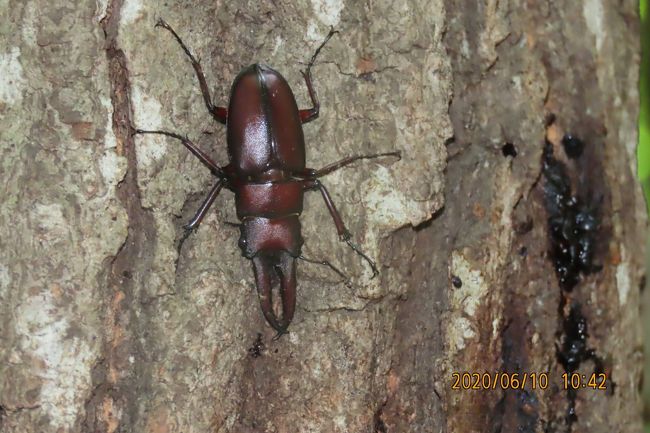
(220, 114)
(343, 232)
(310, 173)
(200, 214)
(310, 114)
(205, 159)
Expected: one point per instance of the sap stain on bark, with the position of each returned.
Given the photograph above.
(258, 347)
(573, 227)
(572, 224)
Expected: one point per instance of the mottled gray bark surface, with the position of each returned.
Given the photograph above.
(107, 328)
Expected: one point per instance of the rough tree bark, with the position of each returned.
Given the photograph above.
(105, 328)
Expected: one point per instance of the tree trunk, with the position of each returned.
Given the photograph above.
(107, 328)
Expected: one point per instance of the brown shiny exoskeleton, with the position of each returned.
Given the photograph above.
(268, 174)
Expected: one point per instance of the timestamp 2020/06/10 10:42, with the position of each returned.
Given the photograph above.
(525, 380)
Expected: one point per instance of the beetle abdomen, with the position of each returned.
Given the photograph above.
(264, 128)
(269, 200)
(259, 235)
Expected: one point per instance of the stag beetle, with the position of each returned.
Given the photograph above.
(268, 175)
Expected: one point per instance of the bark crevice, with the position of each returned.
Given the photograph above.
(112, 405)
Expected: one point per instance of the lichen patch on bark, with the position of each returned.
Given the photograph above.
(12, 80)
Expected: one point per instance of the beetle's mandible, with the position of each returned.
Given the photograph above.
(268, 175)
